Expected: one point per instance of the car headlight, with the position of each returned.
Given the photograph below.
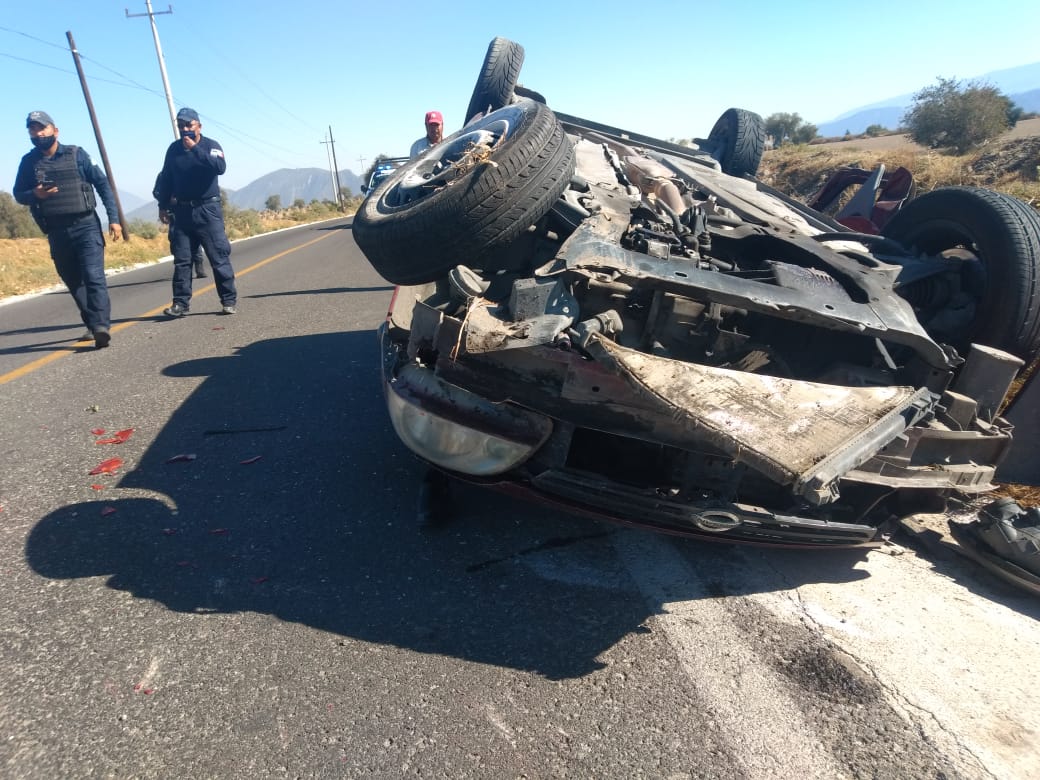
(453, 445)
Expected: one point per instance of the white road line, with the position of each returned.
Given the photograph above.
(768, 735)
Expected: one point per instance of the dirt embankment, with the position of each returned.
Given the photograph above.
(1009, 163)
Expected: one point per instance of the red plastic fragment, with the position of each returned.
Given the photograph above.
(108, 510)
(182, 458)
(106, 466)
(116, 438)
(98, 431)
(253, 459)
(97, 487)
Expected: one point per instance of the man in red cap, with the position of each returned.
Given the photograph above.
(434, 134)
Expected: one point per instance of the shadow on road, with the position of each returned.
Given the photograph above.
(324, 291)
(294, 498)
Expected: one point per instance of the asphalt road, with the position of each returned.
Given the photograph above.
(265, 606)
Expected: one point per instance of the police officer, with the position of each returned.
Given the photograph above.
(57, 183)
(188, 189)
(197, 258)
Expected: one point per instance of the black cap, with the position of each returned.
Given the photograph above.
(188, 115)
(39, 116)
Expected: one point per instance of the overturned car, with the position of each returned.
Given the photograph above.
(627, 327)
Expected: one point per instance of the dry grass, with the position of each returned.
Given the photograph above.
(26, 266)
(25, 263)
(1009, 167)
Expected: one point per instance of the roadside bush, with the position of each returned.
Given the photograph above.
(946, 115)
(240, 223)
(143, 228)
(15, 219)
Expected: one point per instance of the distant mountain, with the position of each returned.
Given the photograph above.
(130, 202)
(290, 184)
(1021, 84)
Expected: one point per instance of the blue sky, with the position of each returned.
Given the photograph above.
(269, 79)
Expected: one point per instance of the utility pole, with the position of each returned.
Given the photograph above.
(97, 135)
(162, 63)
(362, 161)
(335, 169)
(332, 170)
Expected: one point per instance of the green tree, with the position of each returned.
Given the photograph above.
(15, 219)
(804, 133)
(789, 128)
(958, 117)
(273, 203)
(875, 130)
(299, 203)
(781, 127)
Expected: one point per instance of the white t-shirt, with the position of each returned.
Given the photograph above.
(419, 147)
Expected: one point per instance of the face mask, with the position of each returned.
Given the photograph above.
(189, 134)
(42, 142)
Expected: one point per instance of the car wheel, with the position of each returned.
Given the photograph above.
(739, 137)
(497, 78)
(474, 192)
(995, 299)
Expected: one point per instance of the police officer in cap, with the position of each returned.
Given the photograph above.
(187, 187)
(57, 183)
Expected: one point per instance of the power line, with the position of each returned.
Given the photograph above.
(73, 73)
(131, 83)
(31, 37)
(218, 50)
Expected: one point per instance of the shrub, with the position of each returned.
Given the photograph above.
(15, 219)
(949, 116)
(144, 228)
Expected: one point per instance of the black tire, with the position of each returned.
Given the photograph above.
(739, 139)
(442, 210)
(1003, 235)
(497, 79)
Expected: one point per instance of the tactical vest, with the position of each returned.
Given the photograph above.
(74, 196)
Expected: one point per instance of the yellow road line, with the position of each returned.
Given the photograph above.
(61, 352)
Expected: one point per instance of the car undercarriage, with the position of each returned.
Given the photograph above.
(645, 332)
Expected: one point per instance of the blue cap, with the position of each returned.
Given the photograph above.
(39, 116)
(188, 115)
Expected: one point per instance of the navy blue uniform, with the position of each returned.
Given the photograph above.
(77, 241)
(196, 245)
(188, 188)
